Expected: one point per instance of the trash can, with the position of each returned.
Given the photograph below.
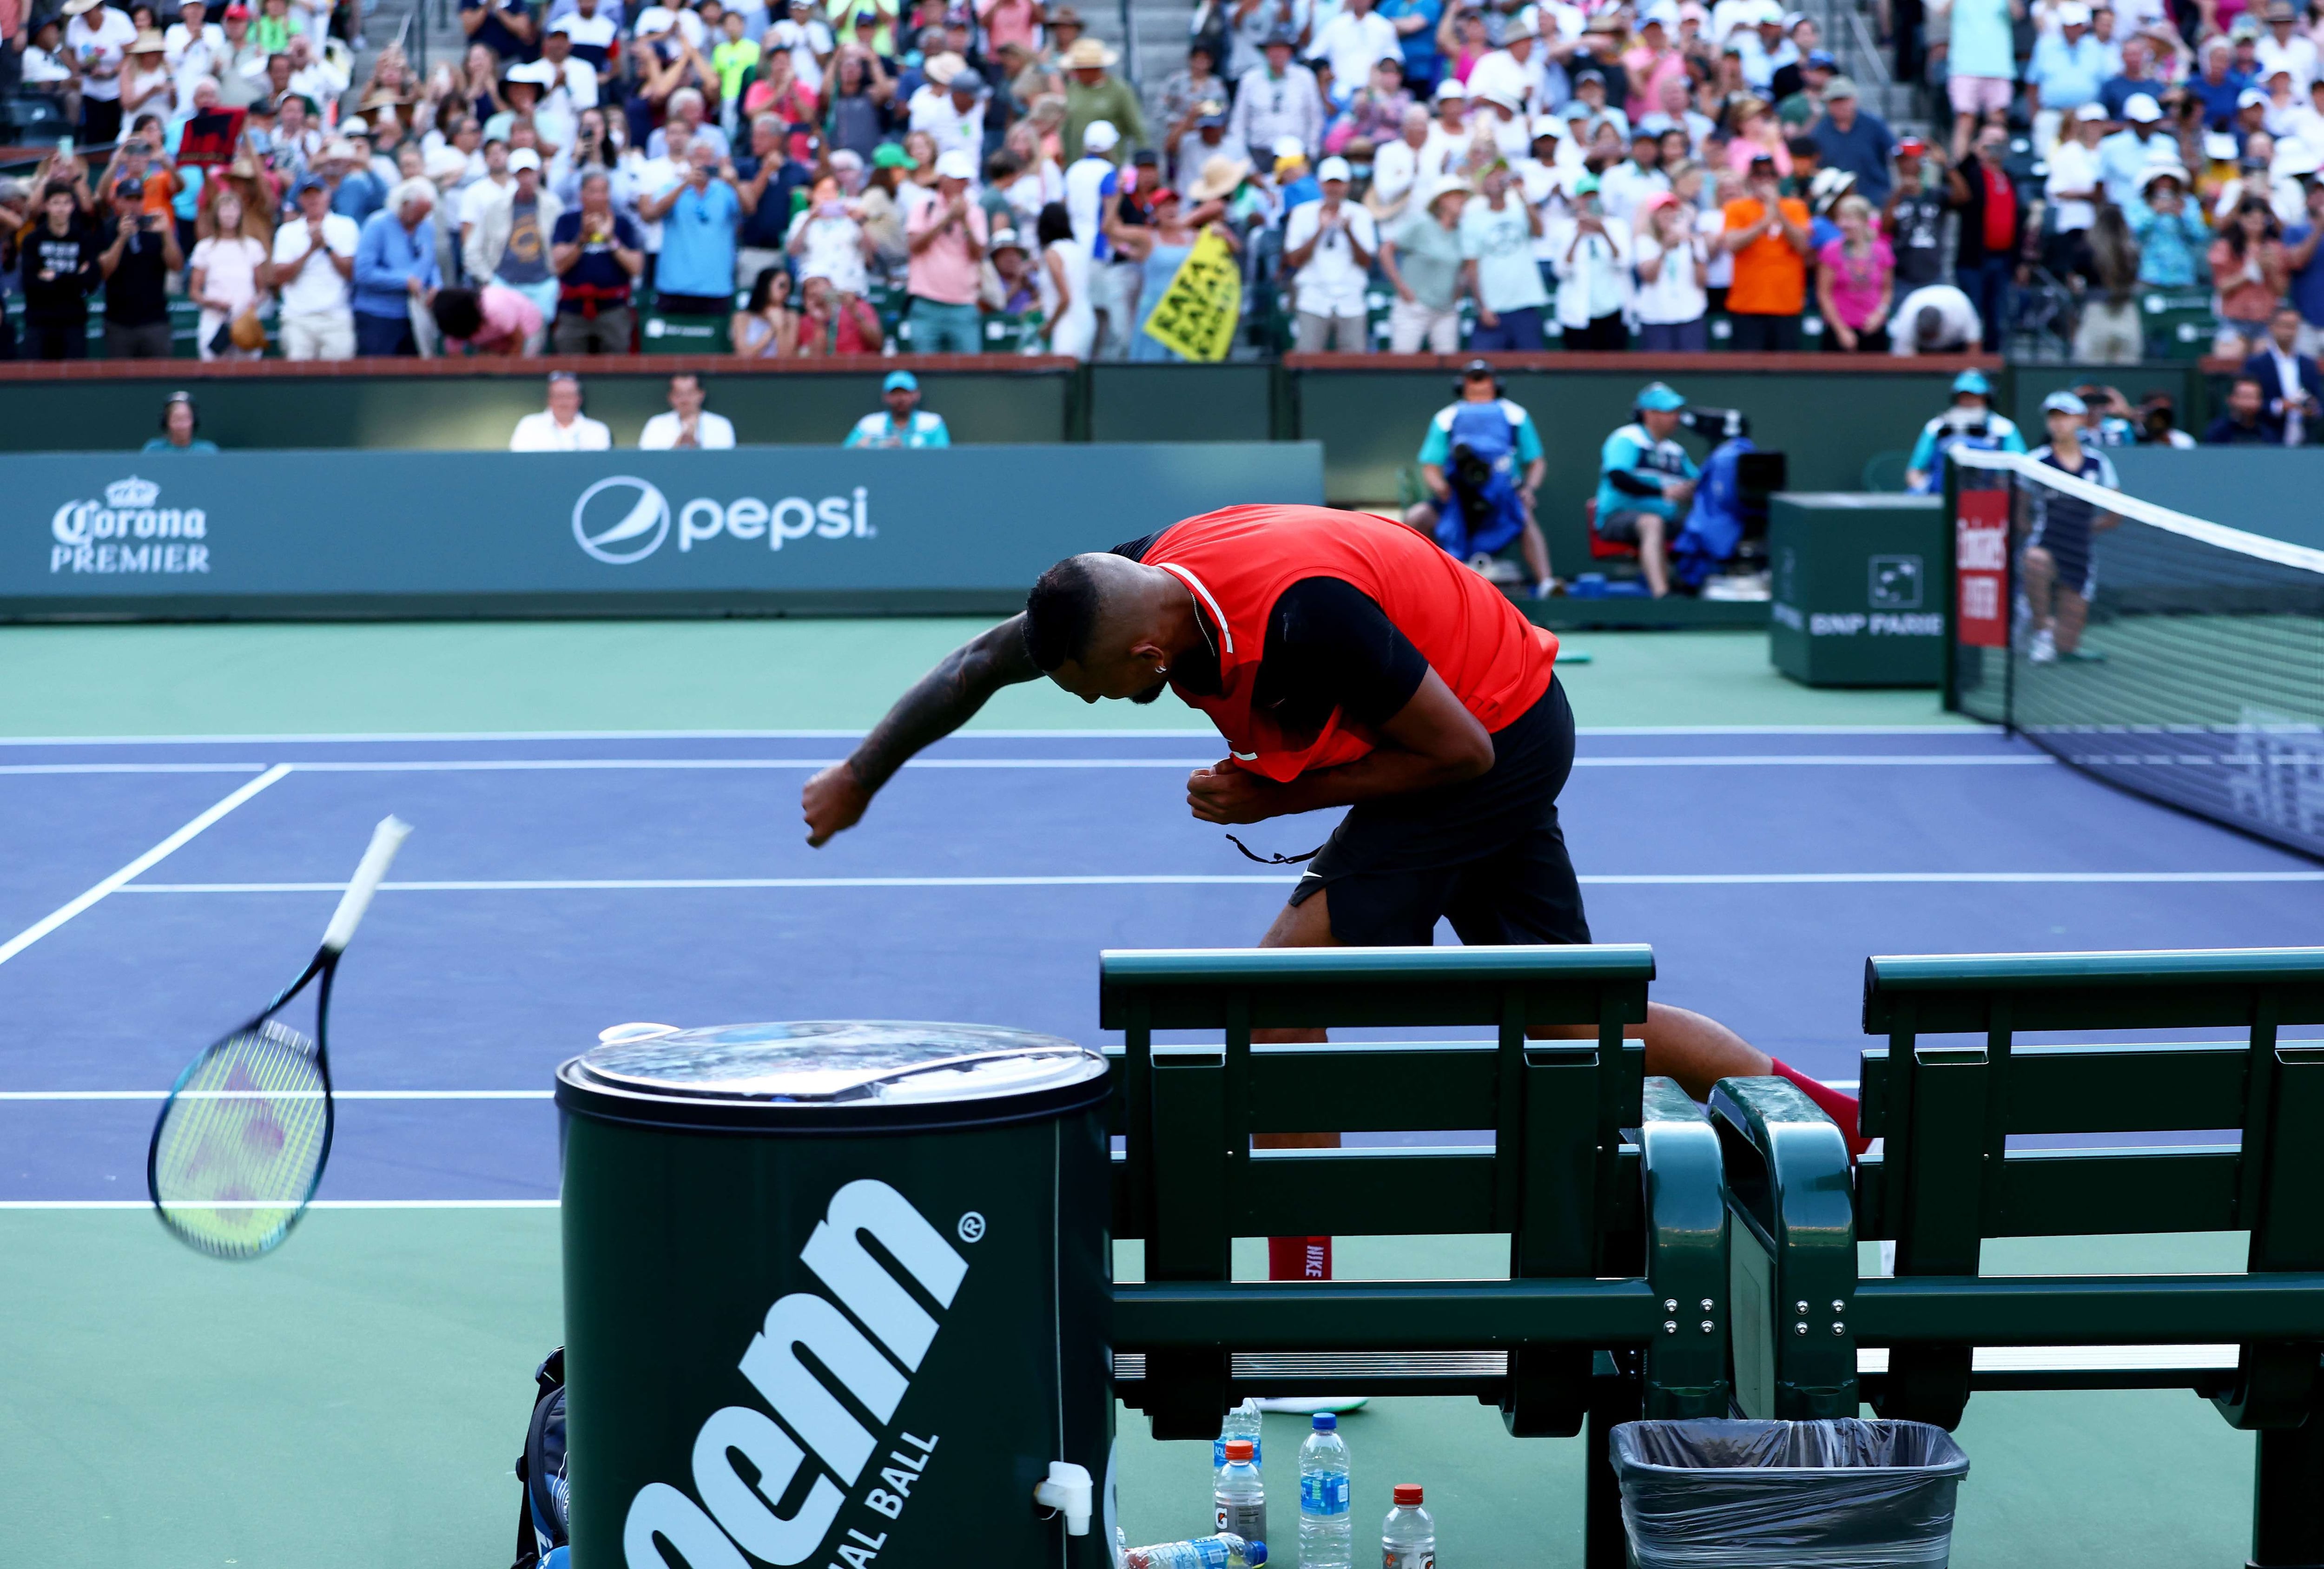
(1837, 1494)
(836, 1293)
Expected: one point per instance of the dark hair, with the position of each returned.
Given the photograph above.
(459, 313)
(65, 188)
(762, 289)
(1804, 147)
(2233, 233)
(1055, 223)
(1061, 614)
(1002, 165)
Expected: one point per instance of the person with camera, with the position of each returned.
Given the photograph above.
(141, 251)
(1970, 421)
(1469, 462)
(57, 258)
(1646, 483)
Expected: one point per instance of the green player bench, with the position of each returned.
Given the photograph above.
(1606, 1183)
(1955, 1167)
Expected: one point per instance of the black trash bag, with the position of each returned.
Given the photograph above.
(1775, 1495)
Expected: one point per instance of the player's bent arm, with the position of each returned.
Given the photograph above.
(938, 703)
(1431, 741)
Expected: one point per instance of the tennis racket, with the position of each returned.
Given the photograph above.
(239, 1148)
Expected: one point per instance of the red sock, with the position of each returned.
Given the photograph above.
(1299, 1257)
(1839, 1107)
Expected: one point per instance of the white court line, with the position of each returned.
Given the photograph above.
(57, 917)
(1135, 879)
(292, 1095)
(131, 766)
(971, 734)
(130, 1204)
(1173, 765)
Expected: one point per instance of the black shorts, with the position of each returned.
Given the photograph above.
(1620, 526)
(1487, 853)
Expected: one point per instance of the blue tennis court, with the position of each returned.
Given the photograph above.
(558, 885)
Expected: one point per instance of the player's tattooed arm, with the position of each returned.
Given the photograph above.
(944, 700)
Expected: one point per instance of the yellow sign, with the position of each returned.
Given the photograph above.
(1196, 316)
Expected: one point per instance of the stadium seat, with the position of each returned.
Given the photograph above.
(1601, 548)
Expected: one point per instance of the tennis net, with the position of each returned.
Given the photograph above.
(2193, 670)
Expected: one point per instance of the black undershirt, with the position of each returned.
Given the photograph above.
(1328, 645)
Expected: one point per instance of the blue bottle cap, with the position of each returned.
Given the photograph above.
(1257, 1554)
(1326, 1421)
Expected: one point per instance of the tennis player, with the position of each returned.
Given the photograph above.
(1348, 662)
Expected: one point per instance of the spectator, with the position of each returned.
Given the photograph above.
(833, 324)
(2057, 569)
(2243, 423)
(1328, 248)
(2072, 190)
(355, 190)
(141, 248)
(2250, 272)
(1415, 23)
(1673, 260)
(1856, 281)
(948, 238)
(1646, 483)
(686, 424)
(1627, 184)
(561, 427)
(2109, 332)
(2171, 233)
(1589, 252)
(828, 239)
(1350, 45)
(1498, 267)
(903, 424)
(98, 36)
(510, 231)
(2285, 48)
(314, 262)
(1469, 461)
(58, 268)
(1992, 231)
(180, 422)
(2300, 254)
(2289, 381)
(686, 108)
(765, 179)
(1980, 64)
(1069, 323)
(1970, 420)
(47, 69)
(1422, 258)
(2125, 156)
(223, 278)
(596, 254)
(1006, 285)
(2068, 68)
(2158, 421)
(1856, 141)
(699, 218)
(1914, 218)
(1934, 319)
(1768, 235)
(765, 329)
(1093, 93)
(593, 33)
(1189, 96)
(395, 269)
(2139, 80)
(1397, 169)
(1277, 99)
(495, 321)
(951, 106)
(506, 27)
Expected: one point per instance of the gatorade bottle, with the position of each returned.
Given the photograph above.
(1327, 1538)
(1408, 1535)
(1220, 1552)
(1238, 1496)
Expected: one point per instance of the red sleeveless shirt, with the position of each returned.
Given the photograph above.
(1238, 562)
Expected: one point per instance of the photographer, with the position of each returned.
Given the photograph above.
(1469, 461)
(1970, 421)
(141, 251)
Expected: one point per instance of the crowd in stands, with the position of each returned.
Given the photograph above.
(779, 179)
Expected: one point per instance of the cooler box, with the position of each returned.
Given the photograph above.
(1858, 596)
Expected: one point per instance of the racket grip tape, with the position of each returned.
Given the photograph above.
(385, 841)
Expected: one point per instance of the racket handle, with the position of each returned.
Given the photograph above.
(385, 841)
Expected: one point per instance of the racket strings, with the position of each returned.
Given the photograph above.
(242, 1142)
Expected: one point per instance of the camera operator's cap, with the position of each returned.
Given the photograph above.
(524, 158)
(1658, 398)
(955, 164)
(2142, 109)
(1973, 382)
(1332, 169)
(900, 381)
(2062, 401)
(1100, 136)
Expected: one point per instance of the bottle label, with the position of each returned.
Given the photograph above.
(1245, 1519)
(1408, 1558)
(1324, 1494)
(1219, 1452)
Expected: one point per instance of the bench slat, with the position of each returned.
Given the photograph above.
(2068, 1193)
(1192, 988)
(2098, 1089)
(2088, 1309)
(1951, 994)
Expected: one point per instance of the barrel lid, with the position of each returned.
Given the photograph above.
(842, 1067)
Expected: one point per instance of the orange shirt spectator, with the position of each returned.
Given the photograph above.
(1771, 276)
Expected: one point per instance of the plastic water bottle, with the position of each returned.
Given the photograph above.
(1238, 1496)
(1408, 1535)
(1223, 1551)
(1327, 1539)
(1243, 1422)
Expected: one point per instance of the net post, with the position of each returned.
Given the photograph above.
(1952, 581)
(2009, 608)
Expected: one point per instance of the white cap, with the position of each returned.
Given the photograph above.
(1332, 169)
(2141, 108)
(955, 164)
(1445, 186)
(541, 73)
(1289, 147)
(1547, 125)
(656, 19)
(1662, 11)
(355, 126)
(2296, 160)
(524, 158)
(1100, 136)
(2073, 13)
(1450, 89)
(2249, 97)
(2091, 111)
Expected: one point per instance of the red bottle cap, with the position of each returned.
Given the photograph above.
(1408, 1495)
(1239, 1449)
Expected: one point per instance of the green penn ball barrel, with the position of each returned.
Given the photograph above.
(835, 1294)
